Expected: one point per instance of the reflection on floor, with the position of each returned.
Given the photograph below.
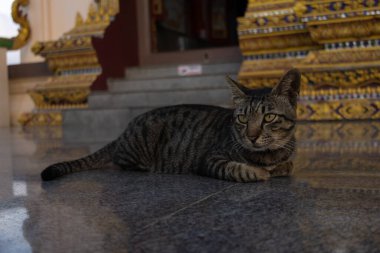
(339, 156)
(330, 204)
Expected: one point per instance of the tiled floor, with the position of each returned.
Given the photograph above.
(330, 204)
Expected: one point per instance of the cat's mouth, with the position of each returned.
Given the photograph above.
(254, 146)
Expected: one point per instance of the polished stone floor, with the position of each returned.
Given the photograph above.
(330, 204)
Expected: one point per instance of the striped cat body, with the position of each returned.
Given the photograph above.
(248, 143)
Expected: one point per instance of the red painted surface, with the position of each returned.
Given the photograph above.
(118, 49)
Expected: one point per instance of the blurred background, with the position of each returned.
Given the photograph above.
(77, 63)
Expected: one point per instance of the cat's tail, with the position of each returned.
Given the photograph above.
(96, 160)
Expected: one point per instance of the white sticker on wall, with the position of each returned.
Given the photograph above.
(189, 70)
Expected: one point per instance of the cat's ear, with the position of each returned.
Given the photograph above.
(289, 86)
(238, 91)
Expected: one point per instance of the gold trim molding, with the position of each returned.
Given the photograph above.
(41, 119)
(341, 78)
(343, 31)
(344, 109)
(263, 45)
(60, 98)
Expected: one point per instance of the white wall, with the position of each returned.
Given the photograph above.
(49, 19)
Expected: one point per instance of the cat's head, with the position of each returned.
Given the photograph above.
(266, 122)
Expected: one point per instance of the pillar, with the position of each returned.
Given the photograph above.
(4, 90)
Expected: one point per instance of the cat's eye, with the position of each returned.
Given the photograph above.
(242, 119)
(270, 117)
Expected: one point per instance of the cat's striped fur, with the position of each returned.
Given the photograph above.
(244, 144)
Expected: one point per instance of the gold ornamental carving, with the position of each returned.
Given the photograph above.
(41, 119)
(264, 5)
(60, 98)
(61, 63)
(66, 92)
(343, 57)
(338, 54)
(271, 67)
(299, 41)
(336, 32)
(335, 8)
(74, 63)
(264, 73)
(345, 109)
(24, 31)
(261, 20)
(342, 78)
(20, 18)
(261, 82)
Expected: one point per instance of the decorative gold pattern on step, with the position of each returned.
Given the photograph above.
(337, 32)
(261, 45)
(342, 78)
(343, 56)
(41, 119)
(351, 109)
(60, 98)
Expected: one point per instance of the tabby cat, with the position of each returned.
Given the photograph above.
(250, 143)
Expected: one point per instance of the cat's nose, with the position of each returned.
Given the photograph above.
(253, 139)
(253, 134)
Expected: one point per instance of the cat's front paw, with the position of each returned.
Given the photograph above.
(253, 174)
(282, 170)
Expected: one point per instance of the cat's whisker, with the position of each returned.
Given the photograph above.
(285, 147)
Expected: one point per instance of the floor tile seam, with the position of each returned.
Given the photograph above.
(168, 216)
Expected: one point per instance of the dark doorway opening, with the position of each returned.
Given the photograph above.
(179, 25)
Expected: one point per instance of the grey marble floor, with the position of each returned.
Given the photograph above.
(330, 204)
